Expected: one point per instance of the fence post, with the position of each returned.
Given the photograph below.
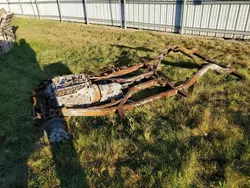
(245, 28)
(248, 14)
(21, 7)
(38, 11)
(31, 1)
(120, 3)
(85, 11)
(183, 9)
(59, 10)
(8, 3)
(124, 14)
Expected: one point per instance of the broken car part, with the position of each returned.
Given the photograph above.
(7, 36)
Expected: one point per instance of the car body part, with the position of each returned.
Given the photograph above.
(86, 95)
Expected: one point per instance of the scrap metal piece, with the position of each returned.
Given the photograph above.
(119, 73)
(56, 130)
(134, 78)
(7, 36)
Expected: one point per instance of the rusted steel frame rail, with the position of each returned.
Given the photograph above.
(119, 73)
(192, 53)
(153, 65)
(94, 111)
(134, 78)
(201, 72)
(188, 52)
(150, 65)
(233, 71)
(137, 88)
(106, 111)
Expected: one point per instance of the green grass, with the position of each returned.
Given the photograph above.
(198, 141)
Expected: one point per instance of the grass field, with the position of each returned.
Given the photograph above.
(198, 141)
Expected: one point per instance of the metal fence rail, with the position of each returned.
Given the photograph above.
(229, 19)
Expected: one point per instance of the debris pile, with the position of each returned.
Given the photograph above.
(7, 36)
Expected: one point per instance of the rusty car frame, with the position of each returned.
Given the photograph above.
(111, 91)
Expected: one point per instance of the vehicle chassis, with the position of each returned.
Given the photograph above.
(145, 80)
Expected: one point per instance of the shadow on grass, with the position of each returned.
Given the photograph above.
(20, 72)
(181, 64)
(158, 158)
(242, 146)
(55, 69)
(123, 60)
(133, 48)
(68, 166)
